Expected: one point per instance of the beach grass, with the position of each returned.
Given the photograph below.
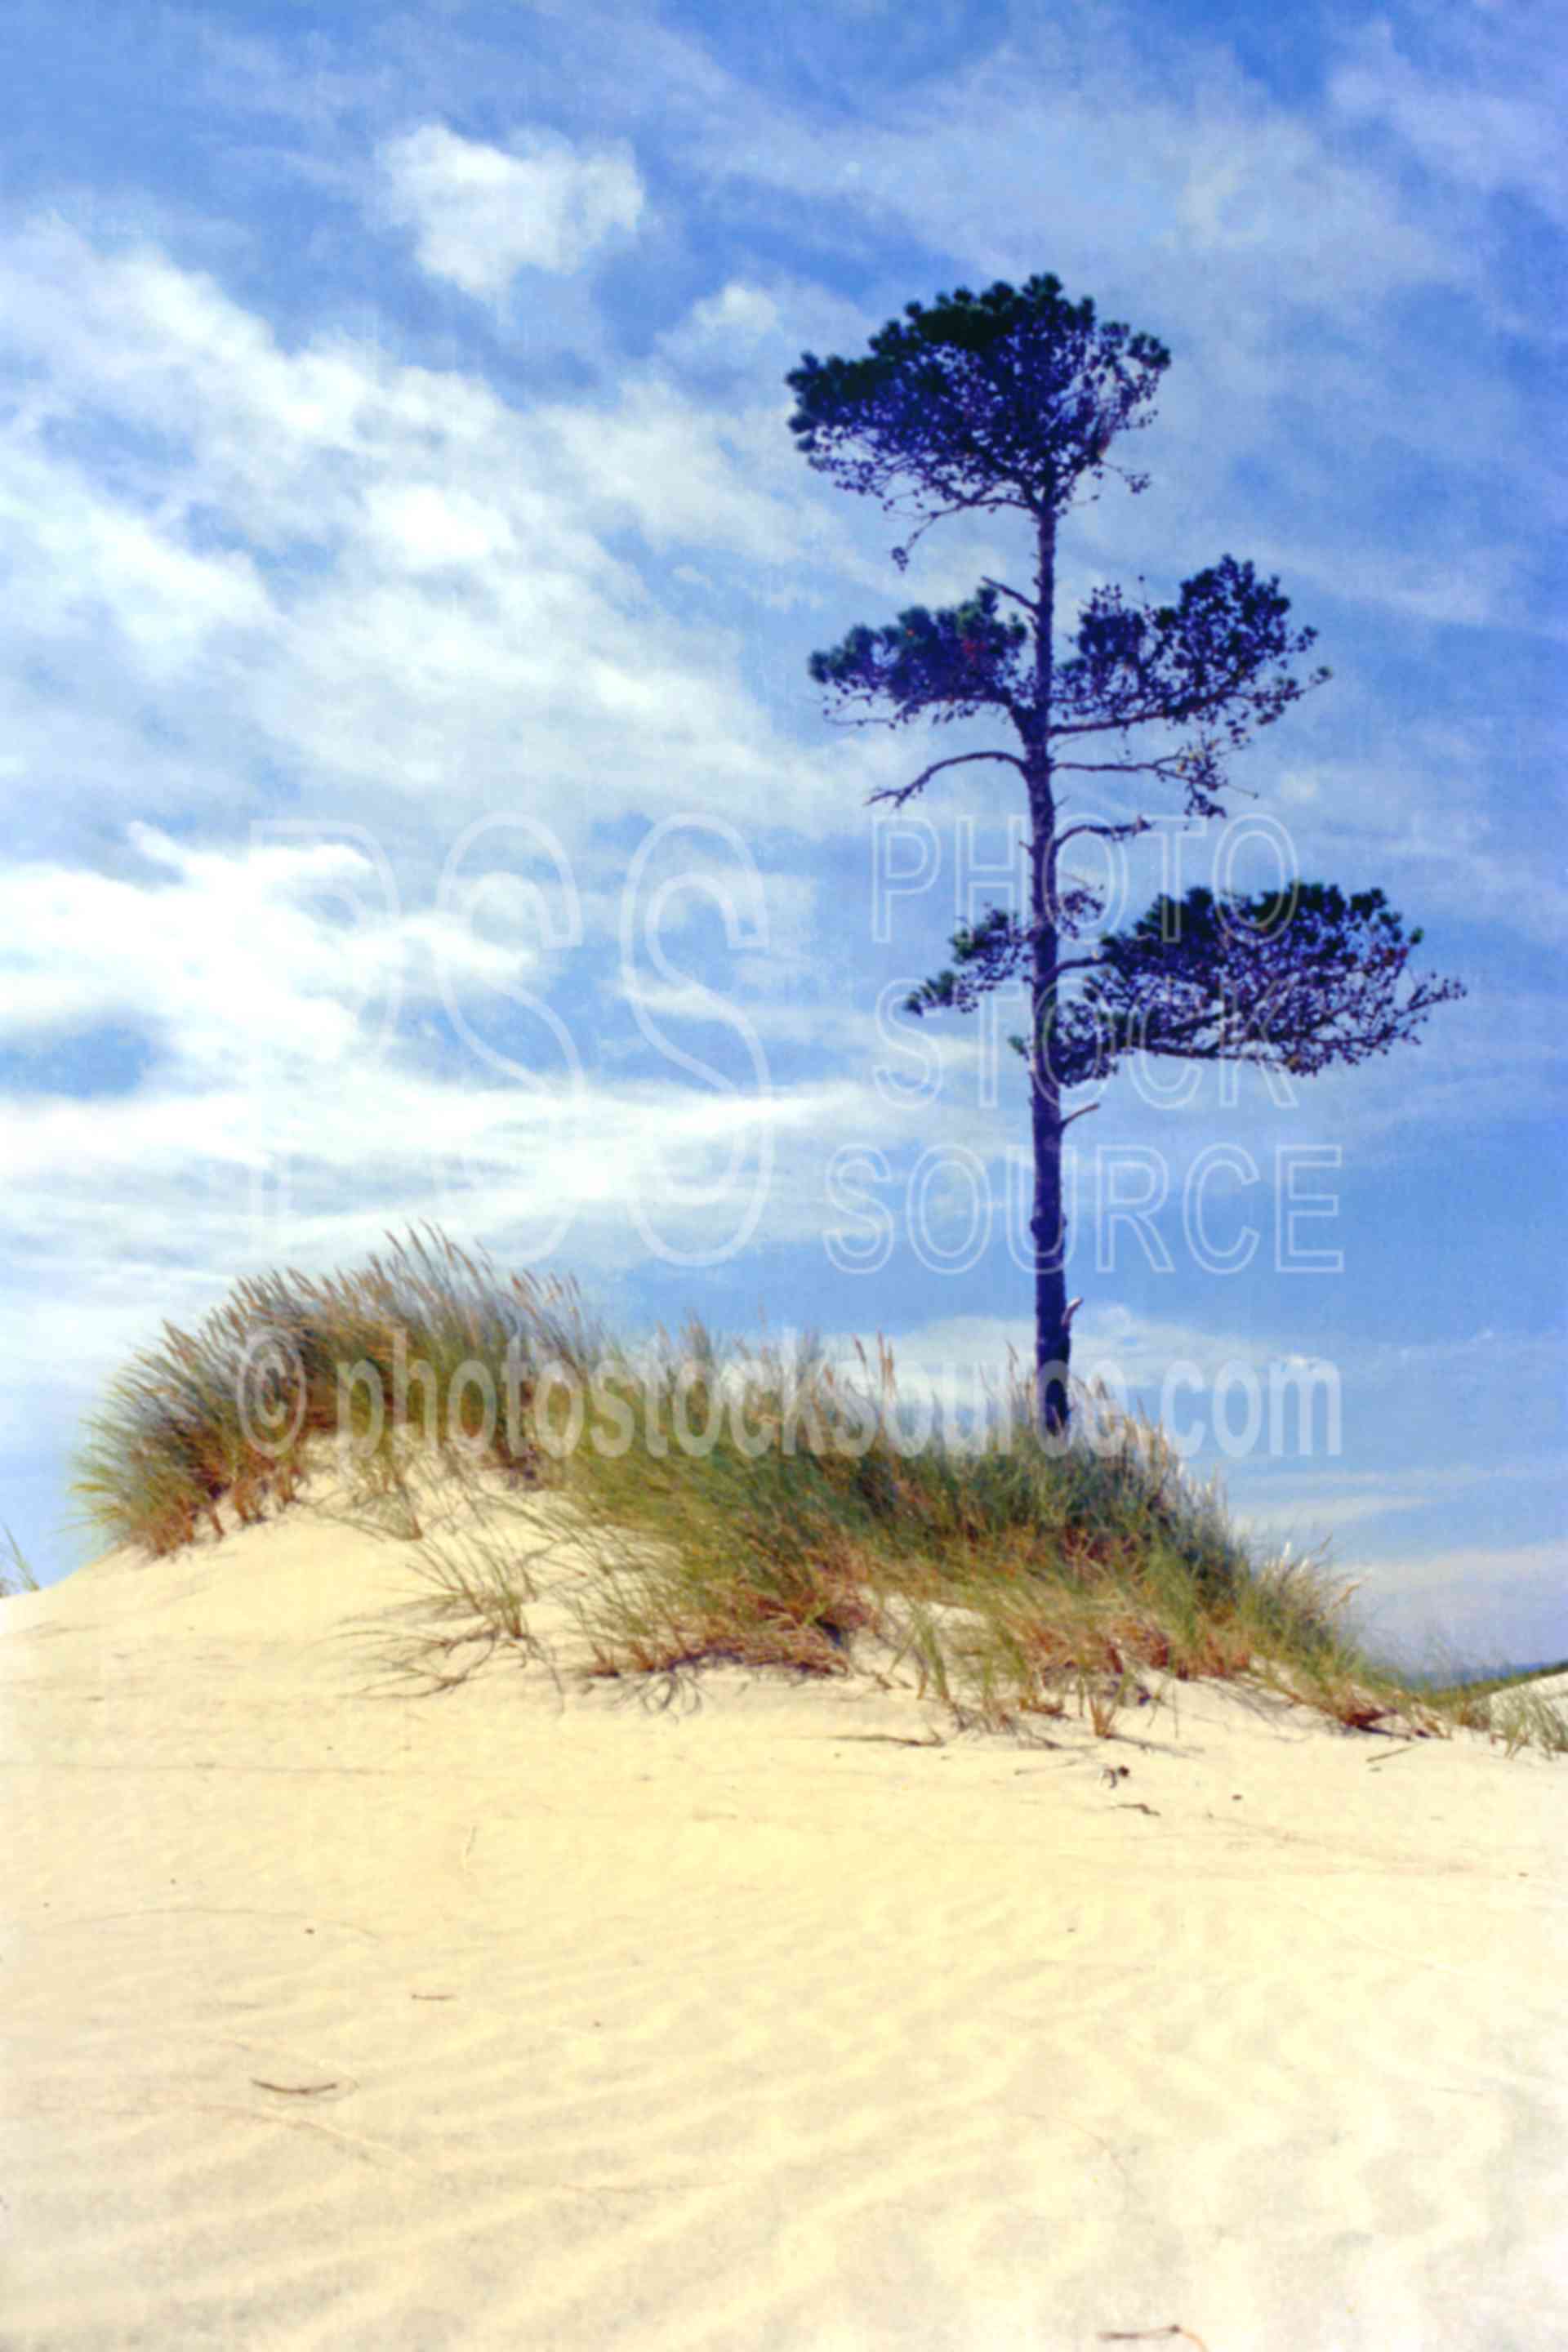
(1511, 1707)
(16, 1574)
(760, 1505)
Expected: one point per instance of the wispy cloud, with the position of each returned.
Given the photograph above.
(1478, 113)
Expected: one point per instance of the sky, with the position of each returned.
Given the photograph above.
(419, 807)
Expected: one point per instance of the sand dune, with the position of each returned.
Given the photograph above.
(525, 2016)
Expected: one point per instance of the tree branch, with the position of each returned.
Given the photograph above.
(1159, 713)
(1029, 604)
(1154, 716)
(899, 793)
(1167, 765)
(958, 506)
(1127, 832)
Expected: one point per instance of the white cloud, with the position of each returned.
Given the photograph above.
(290, 991)
(728, 331)
(80, 560)
(481, 213)
(218, 957)
(420, 527)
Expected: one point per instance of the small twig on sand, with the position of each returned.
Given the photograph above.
(1149, 2335)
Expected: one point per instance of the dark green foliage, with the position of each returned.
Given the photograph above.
(1297, 981)
(957, 658)
(1218, 655)
(1007, 399)
(1303, 980)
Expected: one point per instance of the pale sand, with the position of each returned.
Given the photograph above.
(497, 2020)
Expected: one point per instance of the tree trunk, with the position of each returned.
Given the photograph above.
(1053, 1338)
(1049, 1224)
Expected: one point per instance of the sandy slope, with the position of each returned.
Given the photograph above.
(339, 2020)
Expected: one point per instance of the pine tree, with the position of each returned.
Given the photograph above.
(1013, 399)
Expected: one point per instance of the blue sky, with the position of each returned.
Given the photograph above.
(417, 805)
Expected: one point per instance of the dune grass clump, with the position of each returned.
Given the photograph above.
(235, 1411)
(1508, 1706)
(740, 1506)
(1015, 1576)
